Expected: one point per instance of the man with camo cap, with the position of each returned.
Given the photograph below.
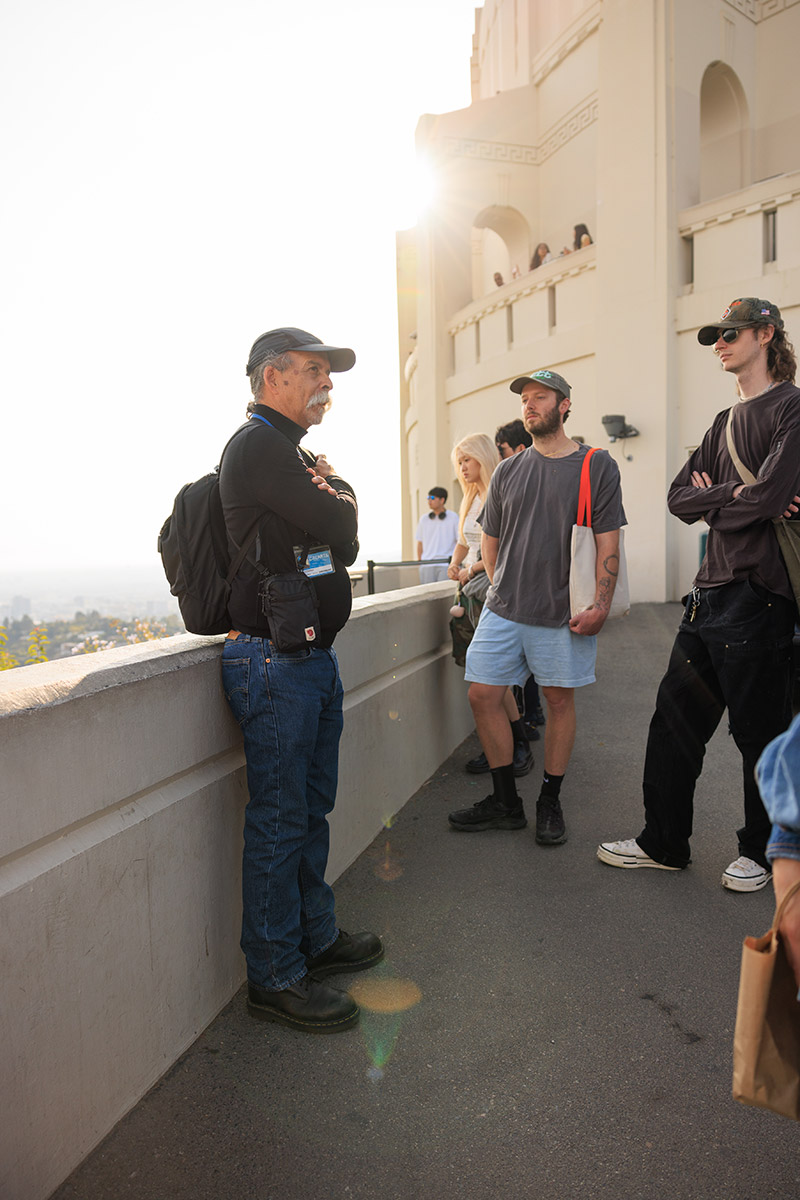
(734, 644)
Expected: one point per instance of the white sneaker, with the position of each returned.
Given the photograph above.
(628, 854)
(744, 875)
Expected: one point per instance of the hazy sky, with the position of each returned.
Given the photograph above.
(180, 175)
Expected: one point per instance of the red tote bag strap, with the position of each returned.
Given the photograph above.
(585, 493)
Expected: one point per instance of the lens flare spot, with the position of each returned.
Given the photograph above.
(388, 869)
(375, 1074)
(385, 995)
(393, 715)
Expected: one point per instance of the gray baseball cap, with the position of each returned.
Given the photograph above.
(550, 379)
(288, 338)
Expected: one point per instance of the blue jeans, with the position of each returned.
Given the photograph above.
(736, 654)
(289, 707)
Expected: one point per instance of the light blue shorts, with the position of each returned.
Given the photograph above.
(507, 652)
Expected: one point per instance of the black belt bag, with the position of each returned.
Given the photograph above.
(290, 604)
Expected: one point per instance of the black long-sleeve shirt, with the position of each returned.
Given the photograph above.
(263, 471)
(741, 539)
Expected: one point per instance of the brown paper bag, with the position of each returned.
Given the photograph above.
(766, 1043)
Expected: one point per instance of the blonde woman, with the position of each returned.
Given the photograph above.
(474, 459)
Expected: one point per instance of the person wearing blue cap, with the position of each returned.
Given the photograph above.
(734, 645)
(281, 680)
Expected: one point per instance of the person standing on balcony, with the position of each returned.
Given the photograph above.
(541, 256)
(289, 704)
(734, 644)
(525, 626)
(437, 534)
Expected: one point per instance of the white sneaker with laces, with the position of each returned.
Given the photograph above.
(628, 854)
(744, 875)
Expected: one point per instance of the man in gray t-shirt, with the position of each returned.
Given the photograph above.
(525, 625)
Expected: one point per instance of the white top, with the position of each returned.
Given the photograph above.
(438, 537)
(472, 533)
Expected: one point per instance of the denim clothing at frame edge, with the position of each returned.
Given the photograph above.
(735, 653)
(778, 775)
(289, 707)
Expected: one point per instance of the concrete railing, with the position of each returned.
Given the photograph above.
(557, 298)
(123, 793)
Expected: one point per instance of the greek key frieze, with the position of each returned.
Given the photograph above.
(748, 8)
(526, 156)
(503, 152)
(769, 8)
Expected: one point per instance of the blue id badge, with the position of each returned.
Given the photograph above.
(319, 561)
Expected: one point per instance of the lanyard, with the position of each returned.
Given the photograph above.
(255, 416)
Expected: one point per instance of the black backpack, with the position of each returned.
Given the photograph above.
(193, 546)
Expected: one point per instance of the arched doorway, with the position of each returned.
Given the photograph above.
(724, 133)
(500, 242)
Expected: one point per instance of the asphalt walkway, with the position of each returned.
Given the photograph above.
(566, 1028)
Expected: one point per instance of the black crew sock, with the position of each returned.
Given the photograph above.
(518, 730)
(505, 789)
(551, 785)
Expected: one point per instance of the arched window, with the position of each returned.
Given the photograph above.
(500, 242)
(724, 133)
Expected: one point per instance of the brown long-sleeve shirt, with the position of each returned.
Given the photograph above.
(741, 539)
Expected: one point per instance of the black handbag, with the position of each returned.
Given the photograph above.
(289, 602)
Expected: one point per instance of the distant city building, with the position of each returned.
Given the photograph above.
(669, 134)
(20, 607)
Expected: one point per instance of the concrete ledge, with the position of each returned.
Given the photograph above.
(123, 794)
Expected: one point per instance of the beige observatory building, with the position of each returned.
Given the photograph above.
(671, 130)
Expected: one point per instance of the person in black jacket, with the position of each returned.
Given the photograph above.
(289, 703)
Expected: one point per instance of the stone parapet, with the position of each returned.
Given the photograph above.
(123, 794)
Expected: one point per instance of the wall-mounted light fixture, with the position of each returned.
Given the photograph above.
(616, 427)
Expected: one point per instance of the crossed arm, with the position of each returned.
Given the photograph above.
(701, 479)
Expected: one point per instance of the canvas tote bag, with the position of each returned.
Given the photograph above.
(766, 1042)
(583, 557)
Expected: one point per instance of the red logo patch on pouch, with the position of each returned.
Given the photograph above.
(310, 634)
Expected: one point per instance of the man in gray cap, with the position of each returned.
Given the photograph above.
(281, 680)
(733, 648)
(525, 626)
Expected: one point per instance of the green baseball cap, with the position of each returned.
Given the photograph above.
(740, 314)
(550, 379)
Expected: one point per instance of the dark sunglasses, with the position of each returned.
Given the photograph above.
(730, 335)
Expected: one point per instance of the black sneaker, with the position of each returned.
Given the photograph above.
(488, 814)
(531, 731)
(550, 827)
(478, 765)
(537, 717)
(523, 758)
